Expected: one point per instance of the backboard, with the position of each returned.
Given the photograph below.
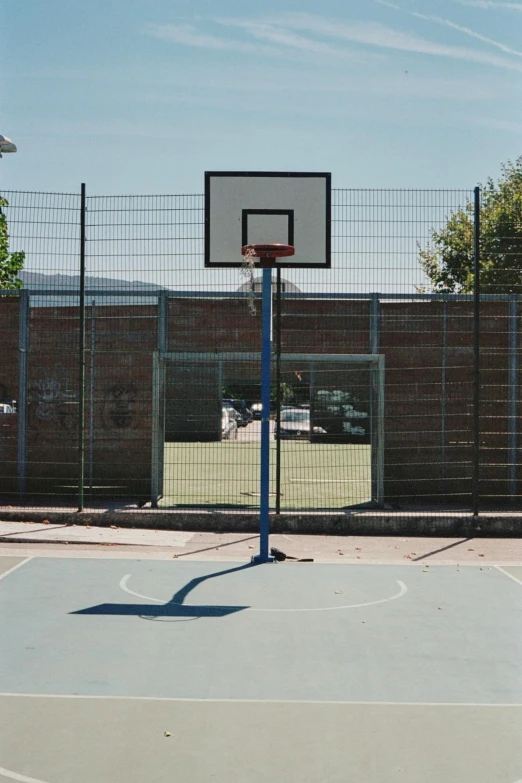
(258, 207)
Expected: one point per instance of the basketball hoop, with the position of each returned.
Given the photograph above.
(267, 255)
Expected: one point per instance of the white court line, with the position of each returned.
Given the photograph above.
(327, 481)
(326, 702)
(16, 776)
(519, 582)
(18, 565)
(403, 590)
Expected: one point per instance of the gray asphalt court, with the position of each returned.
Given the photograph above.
(126, 670)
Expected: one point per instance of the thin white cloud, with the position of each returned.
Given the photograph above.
(273, 40)
(467, 31)
(487, 4)
(368, 33)
(287, 38)
(188, 35)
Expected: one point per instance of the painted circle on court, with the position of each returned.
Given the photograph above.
(398, 594)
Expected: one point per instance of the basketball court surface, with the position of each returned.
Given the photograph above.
(146, 665)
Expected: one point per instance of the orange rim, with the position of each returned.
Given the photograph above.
(268, 251)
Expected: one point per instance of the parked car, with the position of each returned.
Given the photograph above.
(257, 409)
(245, 414)
(228, 424)
(295, 423)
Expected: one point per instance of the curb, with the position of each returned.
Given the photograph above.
(344, 524)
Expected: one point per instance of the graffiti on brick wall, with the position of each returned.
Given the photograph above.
(51, 404)
(120, 406)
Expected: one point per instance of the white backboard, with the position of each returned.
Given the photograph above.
(248, 208)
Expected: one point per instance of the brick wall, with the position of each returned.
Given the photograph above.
(428, 350)
(9, 309)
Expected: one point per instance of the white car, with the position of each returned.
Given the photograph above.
(295, 423)
(228, 424)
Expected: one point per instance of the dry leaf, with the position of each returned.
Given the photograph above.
(174, 555)
(46, 522)
(481, 555)
(341, 553)
(357, 548)
(249, 546)
(471, 550)
(166, 733)
(113, 527)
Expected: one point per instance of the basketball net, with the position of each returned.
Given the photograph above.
(247, 273)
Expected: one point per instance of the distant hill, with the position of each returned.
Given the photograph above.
(51, 289)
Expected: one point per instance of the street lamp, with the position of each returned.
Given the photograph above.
(6, 145)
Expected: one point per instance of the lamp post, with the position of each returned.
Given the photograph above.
(6, 145)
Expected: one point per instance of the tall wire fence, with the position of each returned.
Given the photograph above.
(134, 373)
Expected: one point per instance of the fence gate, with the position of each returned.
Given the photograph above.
(327, 433)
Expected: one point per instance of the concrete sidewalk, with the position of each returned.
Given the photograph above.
(30, 538)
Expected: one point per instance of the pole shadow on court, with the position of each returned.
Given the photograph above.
(176, 607)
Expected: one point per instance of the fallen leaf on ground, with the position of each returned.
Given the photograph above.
(471, 550)
(249, 546)
(166, 733)
(46, 522)
(481, 555)
(113, 527)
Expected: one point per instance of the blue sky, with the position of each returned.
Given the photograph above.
(143, 97)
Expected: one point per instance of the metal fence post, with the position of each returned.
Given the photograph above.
(374, 323)
(512, 395)
(476, 354)
(278, 392)
(443, 397)
(81, 357)
(91, 396)
(21, 403)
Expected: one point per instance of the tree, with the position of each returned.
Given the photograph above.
(448, 261)
(10, 263)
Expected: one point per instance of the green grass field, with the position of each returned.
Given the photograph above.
(226, 474)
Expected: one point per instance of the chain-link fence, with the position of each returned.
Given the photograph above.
(130, 374)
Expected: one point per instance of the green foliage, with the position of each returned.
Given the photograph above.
(448, 262)
(10, 263)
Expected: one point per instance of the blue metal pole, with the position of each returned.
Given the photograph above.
(266, 356)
